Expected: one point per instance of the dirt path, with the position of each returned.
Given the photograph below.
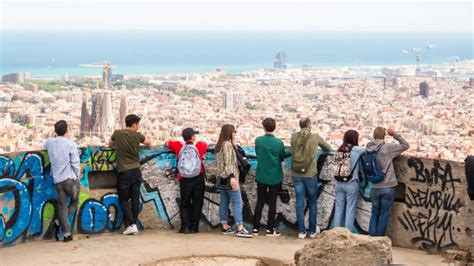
(150, 246)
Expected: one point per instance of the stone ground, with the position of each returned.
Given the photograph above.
(152, 245)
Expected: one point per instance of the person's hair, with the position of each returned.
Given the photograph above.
(225, 135)
(379, 133)
(350, 139)
(60, 128)
(131, 119)
(305, 122)
(269, 124)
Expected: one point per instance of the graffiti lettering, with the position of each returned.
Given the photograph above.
(429, 227)
(432, 199)
(438, 174)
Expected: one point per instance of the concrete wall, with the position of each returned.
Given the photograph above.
(432, 210)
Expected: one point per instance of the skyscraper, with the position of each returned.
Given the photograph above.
(122, 111)
(424, 89)
(229, 100)
(280, 60)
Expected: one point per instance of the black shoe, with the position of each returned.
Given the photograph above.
(55, 230)
(184, 231)
(67, 239)
(194, 231)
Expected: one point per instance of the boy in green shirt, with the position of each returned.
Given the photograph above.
(270, 153)
(127, 146)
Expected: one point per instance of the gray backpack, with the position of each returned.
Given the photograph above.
(189, 163)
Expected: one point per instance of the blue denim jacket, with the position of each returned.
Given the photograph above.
(356, 152)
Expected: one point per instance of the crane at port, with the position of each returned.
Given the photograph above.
(106, 71)
(417, 52)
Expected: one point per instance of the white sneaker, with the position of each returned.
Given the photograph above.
(131, 230)
(301, 235)
(313, 235)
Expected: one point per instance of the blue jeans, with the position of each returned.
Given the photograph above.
(306, 186)
(382, 201)
(346, 203)
(235, 197)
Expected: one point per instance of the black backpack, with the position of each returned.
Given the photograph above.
(242, 163)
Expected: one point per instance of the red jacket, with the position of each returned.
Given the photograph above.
(175, 147)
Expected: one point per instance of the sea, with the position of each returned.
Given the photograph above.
(56, 53)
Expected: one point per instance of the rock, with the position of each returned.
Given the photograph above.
(460, 256)
(339, 246)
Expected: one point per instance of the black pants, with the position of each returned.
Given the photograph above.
(192, 199)
(268, 194)
(129, 192)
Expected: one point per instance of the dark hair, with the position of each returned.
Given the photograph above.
(131, 119)
(225, 135)
(304, 123)
(269, 124)
(379, 133)
(350, 139)
(60, 128)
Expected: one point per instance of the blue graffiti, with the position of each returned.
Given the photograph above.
(153, 195)
(111, 200)
(93, 217)
(18, 223)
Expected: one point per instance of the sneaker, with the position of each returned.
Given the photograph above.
(227, 231)
(67, 239)
(244, 233)
(255, 232)
(131, 230)
(301, 235)
(273, 232)
(313, 235)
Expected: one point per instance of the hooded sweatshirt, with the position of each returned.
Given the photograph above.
(386, 153)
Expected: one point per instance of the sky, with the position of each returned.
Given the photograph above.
(349, 15)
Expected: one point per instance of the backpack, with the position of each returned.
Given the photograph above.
(342, 166)
(301, 157)
(371, 167)
(189, 162)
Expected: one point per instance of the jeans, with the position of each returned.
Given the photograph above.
(236, 198)
(268, 194)
(306, 186)
(68, 188)
(382, 201)
(346, 203)
(192, 199)
(129, 190)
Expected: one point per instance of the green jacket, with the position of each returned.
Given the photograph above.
(270, 153)
(314, 141)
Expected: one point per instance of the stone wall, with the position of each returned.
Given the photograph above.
(432, 211)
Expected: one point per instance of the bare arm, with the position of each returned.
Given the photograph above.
(146, 142)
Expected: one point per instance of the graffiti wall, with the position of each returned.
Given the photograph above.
(436, 212)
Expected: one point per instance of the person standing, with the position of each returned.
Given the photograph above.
(270, 153)
(129, 176)
(65, 169)
(304, 148)
(191, 173)
(382, 194)
(227, 168)
(347, 192)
